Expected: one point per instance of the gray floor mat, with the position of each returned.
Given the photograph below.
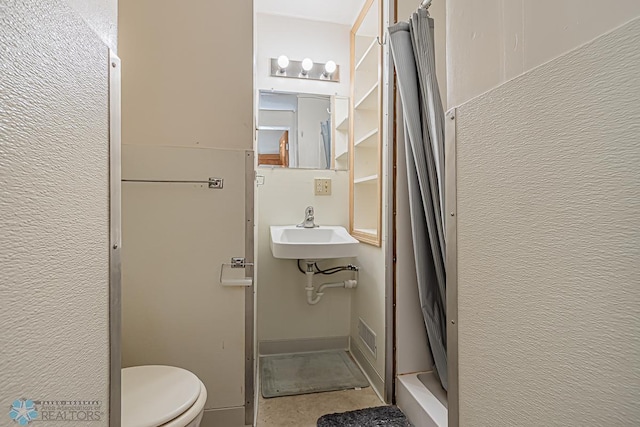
(291, 374)
(381, 416)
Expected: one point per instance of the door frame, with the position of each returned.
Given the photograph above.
(249, 297)
(115, 238)
(115, 263)
(389, 17)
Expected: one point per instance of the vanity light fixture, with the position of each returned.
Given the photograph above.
(282, 66)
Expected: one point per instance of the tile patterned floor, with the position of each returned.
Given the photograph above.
(304, 410)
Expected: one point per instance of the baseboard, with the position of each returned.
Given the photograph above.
(369, 371)
(228, 417)
(303, 345)
(418, 403)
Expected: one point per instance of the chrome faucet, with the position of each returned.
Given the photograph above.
(308, 219)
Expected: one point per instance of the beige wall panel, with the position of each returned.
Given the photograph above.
(187, 73)
(54, 205)
(368, 303)
(492, 41)
(548, 254)
(283, 312)
(552, 27)
(175, 238)
(474, 42)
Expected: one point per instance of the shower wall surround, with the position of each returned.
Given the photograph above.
(54, 250)
(548, 260)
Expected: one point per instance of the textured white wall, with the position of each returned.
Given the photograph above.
(548, 243)
(101, 16)
(54, 239)
(492, 41)
(283, 312)
(298, 39)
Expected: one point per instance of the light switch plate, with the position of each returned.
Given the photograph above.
(322, 187)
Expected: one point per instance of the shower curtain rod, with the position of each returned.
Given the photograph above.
(423, 5)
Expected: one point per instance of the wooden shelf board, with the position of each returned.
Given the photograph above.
(341, 155)
(367, 140)
(369, 100)
(366, 235)
(372, 231)
(362, 43)
(343, 125)
(371, 179)
(367, 52)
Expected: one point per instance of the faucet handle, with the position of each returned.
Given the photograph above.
(308, 221)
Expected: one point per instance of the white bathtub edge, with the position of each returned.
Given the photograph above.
(419, 405)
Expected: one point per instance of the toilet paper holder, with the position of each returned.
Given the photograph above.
(236, 262)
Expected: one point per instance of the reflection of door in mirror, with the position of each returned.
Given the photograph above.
(284, 149)
(313, 114)
(281, 157)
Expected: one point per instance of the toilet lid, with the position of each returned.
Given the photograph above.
(154, 395)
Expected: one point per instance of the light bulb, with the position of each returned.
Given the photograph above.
(307, 65)
(283, 62)
(329, 68)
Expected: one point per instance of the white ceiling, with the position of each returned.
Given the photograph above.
(338, 11)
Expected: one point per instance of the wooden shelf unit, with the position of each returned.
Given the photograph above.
(365, 125)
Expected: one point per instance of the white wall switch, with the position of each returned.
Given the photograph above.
(322, 187)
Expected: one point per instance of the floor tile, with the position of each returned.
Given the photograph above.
(304, 410)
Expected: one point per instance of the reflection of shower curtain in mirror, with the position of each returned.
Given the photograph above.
(325, 131)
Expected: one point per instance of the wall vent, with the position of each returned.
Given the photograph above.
(367, 336)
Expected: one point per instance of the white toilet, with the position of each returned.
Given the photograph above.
(161, 396)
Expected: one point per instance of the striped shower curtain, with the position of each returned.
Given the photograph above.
(413, 54)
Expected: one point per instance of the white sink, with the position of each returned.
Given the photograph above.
(326, 241)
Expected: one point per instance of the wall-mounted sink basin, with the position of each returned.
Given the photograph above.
(326, 241)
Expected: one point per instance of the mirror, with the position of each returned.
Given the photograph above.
(302, 130)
